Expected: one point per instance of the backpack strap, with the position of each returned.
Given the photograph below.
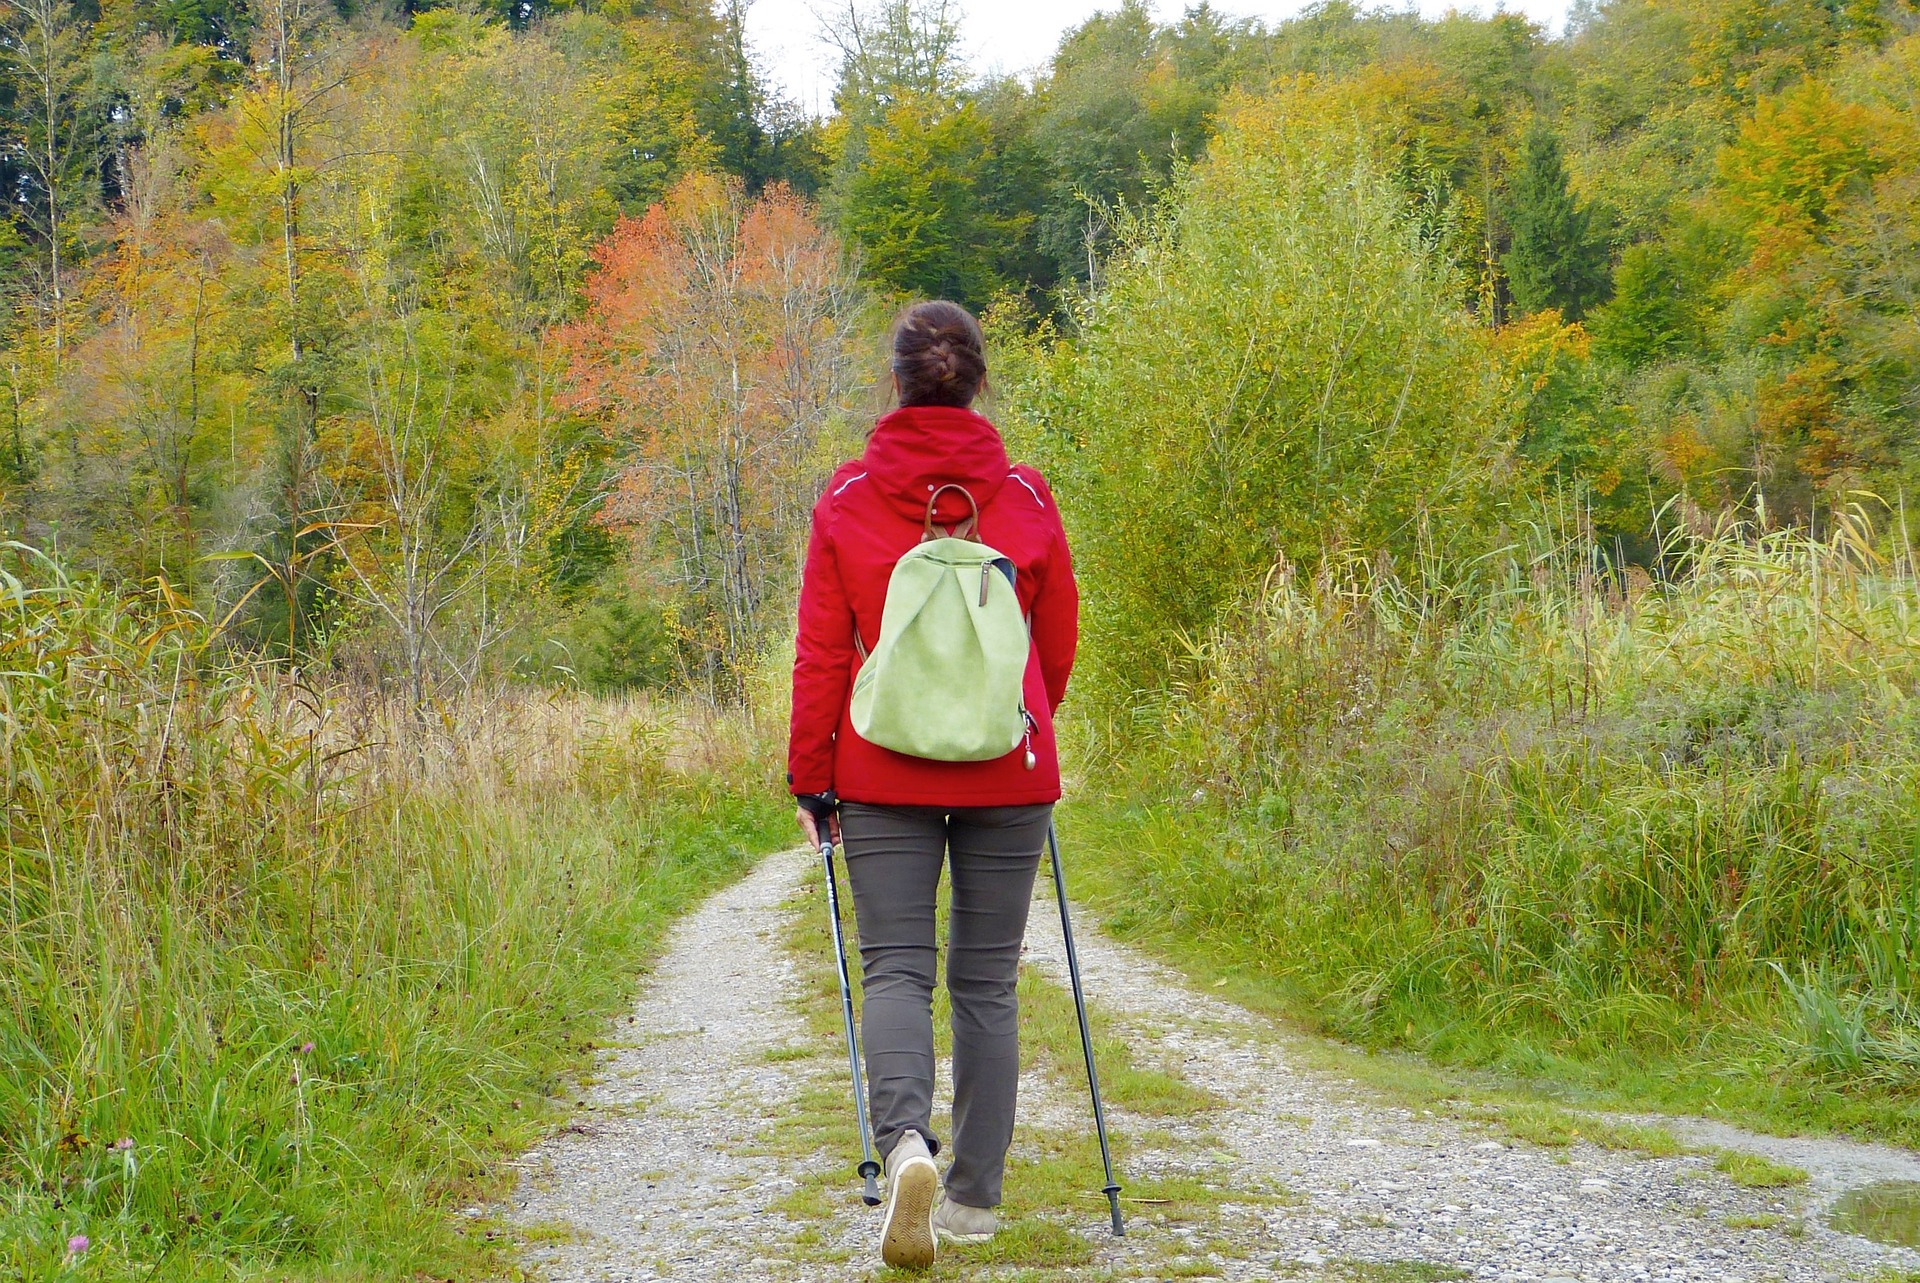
(965, 530)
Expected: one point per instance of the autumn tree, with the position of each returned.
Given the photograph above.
(894, 51)
(274, 152)
(716, 348)
(148, 382)
(430, 535)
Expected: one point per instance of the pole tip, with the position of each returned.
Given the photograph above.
(1113, 1205)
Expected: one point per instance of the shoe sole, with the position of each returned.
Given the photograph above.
(907, 1241)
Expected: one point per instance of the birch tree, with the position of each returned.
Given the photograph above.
(46, 46)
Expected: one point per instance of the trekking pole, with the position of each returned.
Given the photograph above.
(869, 1166)
(1112, 1188)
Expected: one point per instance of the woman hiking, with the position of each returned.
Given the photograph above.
(932, 466)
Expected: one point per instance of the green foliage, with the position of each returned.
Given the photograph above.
(1740, 50)
(1571, 430)
(271, 995)
(1648, 316)
(183, 389)
(1555, 258)
(620, 641)
(1275, 367)
(911, 205)
(1125, 103)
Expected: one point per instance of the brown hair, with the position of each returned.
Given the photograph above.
(939, 355)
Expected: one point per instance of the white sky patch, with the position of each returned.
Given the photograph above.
(1016, 36)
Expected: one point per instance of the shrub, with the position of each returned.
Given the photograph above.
(279, 982)
(1275, 367)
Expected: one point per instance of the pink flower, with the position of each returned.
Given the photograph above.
(125, 1142)
(77, 1245)
(305, 1047)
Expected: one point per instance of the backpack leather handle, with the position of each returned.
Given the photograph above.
(962, 531)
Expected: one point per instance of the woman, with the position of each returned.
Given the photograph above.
(900, 818)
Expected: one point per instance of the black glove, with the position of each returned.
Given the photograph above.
(818, 805)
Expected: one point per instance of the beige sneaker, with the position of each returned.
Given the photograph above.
(906, 1239)
(957, 1223)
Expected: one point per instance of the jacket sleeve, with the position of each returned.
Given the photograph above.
(822, 662)
(1056, 614)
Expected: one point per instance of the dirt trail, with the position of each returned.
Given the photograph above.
(631, 1189)
(663, 1174)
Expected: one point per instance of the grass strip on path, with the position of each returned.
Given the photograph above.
(1052, 1224)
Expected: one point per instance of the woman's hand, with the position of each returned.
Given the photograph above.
(809, 813)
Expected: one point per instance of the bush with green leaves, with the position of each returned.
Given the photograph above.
(1276, 366)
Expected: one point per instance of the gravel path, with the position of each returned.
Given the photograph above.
(658, 1178)
(1384, 1183)
(630, 1190)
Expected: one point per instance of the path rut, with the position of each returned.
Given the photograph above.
(658, 1176)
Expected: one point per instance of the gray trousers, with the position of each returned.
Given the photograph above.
(894, 856)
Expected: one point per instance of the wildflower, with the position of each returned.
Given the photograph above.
(305, 1047)
(77, 1245)
(125, 1142)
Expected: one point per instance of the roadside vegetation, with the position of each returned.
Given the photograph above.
(1392, 710)
(282, 977)
(1651, 838)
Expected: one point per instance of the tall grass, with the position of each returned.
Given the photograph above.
(1563, 819)
(278, 986)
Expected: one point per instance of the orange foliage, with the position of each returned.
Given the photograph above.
(714, 350)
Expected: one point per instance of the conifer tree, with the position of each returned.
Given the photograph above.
(1555, 257)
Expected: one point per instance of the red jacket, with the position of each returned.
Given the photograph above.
(870, 515)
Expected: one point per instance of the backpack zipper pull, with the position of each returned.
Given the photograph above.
(1032, 761)
(986, 568)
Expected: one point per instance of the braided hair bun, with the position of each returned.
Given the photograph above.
(939, 355)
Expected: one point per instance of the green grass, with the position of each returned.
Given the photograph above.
(1373, 1272)
(1635, 849)
(1756, 1172)
(1049, 1029)
(268, 1010)
(1553, 1126)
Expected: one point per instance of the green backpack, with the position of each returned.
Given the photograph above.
(945, 679)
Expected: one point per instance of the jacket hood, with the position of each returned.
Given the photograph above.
(919, 448)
